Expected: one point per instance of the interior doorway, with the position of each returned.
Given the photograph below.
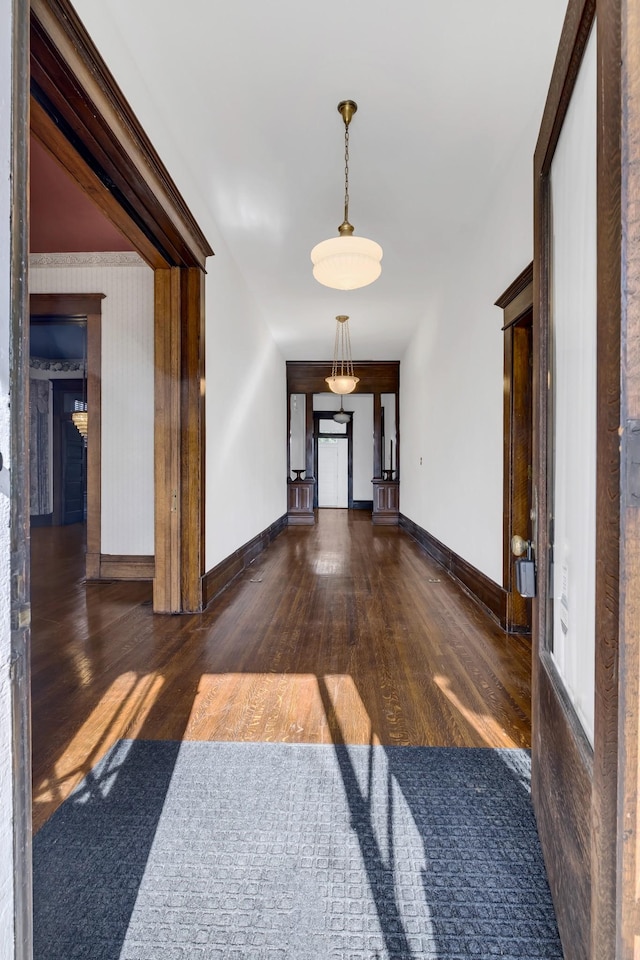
(58, 420)
(333, 474)
(519, 506)
(333, 461)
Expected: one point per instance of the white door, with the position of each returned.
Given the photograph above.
(333, 480)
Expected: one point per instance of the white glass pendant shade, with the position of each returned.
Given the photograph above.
(342, 384)
(346, 262)
(342, 416)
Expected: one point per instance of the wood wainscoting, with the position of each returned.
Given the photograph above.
(225, 572)
(490, 595)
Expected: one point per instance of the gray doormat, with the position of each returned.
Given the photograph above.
(197, 851)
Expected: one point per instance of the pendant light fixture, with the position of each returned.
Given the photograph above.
(342, 416)
(342, 379)
(346, 262)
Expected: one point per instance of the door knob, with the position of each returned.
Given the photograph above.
(519, 546)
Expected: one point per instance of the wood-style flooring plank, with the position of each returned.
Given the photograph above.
(341, 632)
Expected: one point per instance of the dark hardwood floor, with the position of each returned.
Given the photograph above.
(342, 632)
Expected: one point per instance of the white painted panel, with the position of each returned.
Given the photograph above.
(574, 222)
(361, 405)
(333, 475)
(451, 375)
(6, 767)
(127, 385)
(246, 397)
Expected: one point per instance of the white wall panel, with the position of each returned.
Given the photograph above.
(246, 403)
(127, 385)
(574, 294)
(451, 376)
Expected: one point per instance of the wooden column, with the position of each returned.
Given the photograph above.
(192, 440)
(179, 349)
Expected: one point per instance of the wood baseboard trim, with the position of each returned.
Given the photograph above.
(219, 577)
(490, 595)
(362, 505)
(112, 566)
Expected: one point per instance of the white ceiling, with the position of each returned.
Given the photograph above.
(240, 100)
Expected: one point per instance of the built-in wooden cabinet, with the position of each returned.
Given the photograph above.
(386, 501)
(300, 501)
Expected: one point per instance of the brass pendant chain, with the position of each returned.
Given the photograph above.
(346, 173)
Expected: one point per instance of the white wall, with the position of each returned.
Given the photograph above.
(127, 384)
(6, 769)
(574, 297)
(361, 405)
(451, 378)
(246, 414)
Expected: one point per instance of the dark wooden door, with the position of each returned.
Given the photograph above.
(69, 454)
(72, 473)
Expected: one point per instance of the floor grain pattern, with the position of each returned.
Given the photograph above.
(343, 632)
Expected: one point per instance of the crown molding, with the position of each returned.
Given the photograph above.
(124, 258)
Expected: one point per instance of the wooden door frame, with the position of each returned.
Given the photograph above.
(580, 847)
(89, 306)
(81, 117)
(319, 415)
(516, 302)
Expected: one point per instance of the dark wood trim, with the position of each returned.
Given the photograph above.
(192, 439)
(308, 376)
(89, 307)
(319, 415)
(521, 282)
(566, 772)
(80, 115)
(362, 505)
(125, 567)
(42, 520)
(65, 305)
(623, 62)
(604, 816)
(517, 306)
(573, 41)
(179, 442)
(71, 84)
(490, 595)
(19, 674)
(55, 141)
(167, 585)
(224, 573)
